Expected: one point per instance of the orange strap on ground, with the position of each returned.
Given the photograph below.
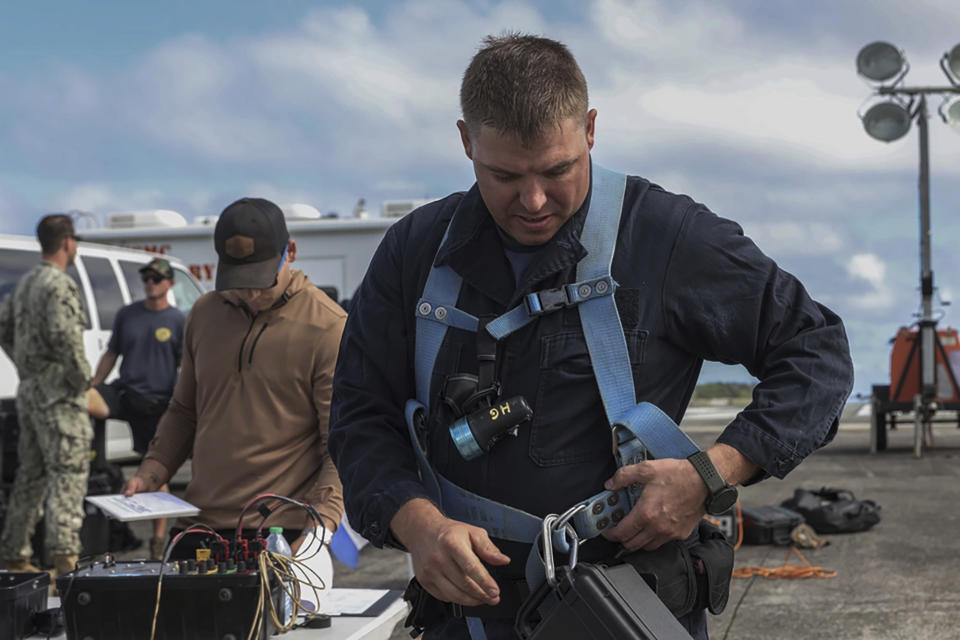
(787, 571)
(739, 526)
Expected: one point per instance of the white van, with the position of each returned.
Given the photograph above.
(109, 278)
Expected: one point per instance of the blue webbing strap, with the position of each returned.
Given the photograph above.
(645, 429)
(598, 316)
(539, 303)
(446, 315)
(640, 429)
(439, 297)
(414, 411)
(500, 520)
(475, 627)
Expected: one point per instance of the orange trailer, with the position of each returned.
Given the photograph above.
(890, 401)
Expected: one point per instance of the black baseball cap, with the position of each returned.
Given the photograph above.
(160, 267)
(250, 239)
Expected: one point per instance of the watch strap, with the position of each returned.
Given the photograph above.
(705, 467)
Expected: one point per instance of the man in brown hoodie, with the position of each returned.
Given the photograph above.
(251, 405)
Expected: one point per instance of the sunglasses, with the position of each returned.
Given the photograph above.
(155, 278)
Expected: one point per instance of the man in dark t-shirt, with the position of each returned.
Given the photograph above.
(149, 335)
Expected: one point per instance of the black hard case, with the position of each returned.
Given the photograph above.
(598, 603)
(769, 525)
(21, 596)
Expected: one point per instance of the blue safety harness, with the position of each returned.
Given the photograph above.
(640, 431)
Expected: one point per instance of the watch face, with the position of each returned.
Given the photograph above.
(721, 500)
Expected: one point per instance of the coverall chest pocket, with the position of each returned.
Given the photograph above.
(569, 425)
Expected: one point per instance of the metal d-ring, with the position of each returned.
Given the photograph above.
(546, 552)
(564, 518)
(569, 532)
(553, 523)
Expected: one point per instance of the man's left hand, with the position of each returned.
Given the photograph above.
(669, 506)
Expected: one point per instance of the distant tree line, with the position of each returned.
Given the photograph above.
(712, 390)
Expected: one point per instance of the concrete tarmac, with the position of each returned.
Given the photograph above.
(898, 581)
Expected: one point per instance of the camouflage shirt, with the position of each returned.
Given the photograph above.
(41, 329)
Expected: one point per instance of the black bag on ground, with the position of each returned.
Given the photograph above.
(834, 510)
(769, 524)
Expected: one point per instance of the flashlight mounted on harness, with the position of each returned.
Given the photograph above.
(475, 433)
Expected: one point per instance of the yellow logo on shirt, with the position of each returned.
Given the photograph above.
(162, 334)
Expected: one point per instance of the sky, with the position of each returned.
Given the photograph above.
(750, 107)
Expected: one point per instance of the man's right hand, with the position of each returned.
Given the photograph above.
(136, 484)
(149, 477)
(448, 555)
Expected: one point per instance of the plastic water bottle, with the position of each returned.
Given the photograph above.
(276, 543)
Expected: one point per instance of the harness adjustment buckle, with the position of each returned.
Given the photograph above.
(541, 302)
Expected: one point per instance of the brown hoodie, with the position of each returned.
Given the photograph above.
(252, 406)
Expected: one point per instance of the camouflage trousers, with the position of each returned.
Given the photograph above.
(54, 462)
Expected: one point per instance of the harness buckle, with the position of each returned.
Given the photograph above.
(547, 300)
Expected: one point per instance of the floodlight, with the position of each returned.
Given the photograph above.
(887, 121)
(951, 113)
(953, 61)
(880, 61)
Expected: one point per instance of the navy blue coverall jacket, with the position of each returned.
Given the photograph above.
(692, 287)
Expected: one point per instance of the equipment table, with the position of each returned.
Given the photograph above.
(342, 627)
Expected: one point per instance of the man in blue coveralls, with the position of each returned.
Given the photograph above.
(691, 288)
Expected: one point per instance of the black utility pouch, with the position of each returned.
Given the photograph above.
(689, 575)
(670, 572)
(713, 564)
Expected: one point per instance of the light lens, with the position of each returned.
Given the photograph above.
(953, 61)
(886, 121)
(952, 113)
(880, 61)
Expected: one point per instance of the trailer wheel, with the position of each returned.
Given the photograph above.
(878, 418)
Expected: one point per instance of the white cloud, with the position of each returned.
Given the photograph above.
(871, 269)
(700, 74)
(99, 198)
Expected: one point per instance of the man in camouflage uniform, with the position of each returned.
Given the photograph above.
(41, 329)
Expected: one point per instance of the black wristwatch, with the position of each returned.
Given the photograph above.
(721, 495)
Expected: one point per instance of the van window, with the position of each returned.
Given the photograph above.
(185, 290)
(106, 289)
(14, 263)
(131, 273)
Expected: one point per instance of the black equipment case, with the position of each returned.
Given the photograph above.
(593, 602)
(21, 596)
(117, 602)
(769, 525)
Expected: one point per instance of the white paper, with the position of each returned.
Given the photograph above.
(337, 602)
(143, 506)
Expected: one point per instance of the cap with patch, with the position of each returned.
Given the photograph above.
(160, 266)
(250, 238)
